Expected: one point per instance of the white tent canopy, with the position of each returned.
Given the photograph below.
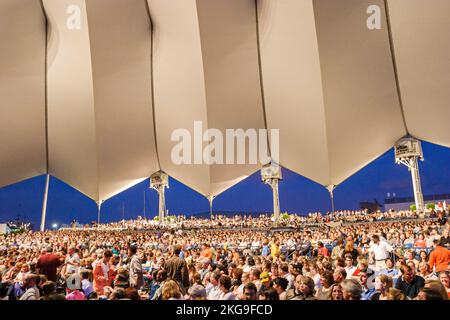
(100, 117)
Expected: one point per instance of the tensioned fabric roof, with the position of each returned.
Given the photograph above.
(95, 106)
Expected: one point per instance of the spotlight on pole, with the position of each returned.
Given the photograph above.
(159, 181)
(407, 152)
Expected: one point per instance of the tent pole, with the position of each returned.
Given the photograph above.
(99, 207)
(330, 189)
(44, 204)
(211, 199)
(144, 205)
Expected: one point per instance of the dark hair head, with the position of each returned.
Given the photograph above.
(48, 288)
(282, 282)
(270, 294)
(225, 281)
(132, 294)
(133, 248)
(176, 249)
(431, 294)
(250, 286)
(108, 253)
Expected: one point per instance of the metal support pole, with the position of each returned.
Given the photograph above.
(99, 208)
(330, 189)
(44, 204)
(276, 199)
(162, 204)
(418, 196)
(144, 205)
(211, 199)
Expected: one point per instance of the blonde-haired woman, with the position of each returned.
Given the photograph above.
(395, 294)
(171, 291)
(382, 285)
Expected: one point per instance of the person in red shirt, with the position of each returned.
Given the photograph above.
(322, 250)
(48, 264)
(439, 257)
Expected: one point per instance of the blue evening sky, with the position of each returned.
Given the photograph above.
(297, 194)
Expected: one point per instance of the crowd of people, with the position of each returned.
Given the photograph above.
(265, 221)
(389, 256)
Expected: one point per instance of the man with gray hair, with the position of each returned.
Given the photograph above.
(30, 284)
(351, 289)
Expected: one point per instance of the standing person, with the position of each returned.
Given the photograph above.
(48, 264)
(135, 268)
(439, 257)
(177, 269)
(379, 251)
(72, 261)
(103, 273)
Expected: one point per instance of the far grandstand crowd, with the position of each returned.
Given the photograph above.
(347, 255)
(266, 221)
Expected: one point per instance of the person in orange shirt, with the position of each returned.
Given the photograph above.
(206, 252)
(439, 257)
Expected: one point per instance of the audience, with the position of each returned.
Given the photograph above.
(342, 256)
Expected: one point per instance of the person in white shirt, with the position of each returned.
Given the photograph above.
(215, 292)
(72, 261)
(379, 251)
(349, 267)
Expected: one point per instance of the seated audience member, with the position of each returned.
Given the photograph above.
(269, 294)
(395, 294)
(444, 277)
(382, 285)
(409, 283)
(336, 292)
(197, 292)
(171, 291)
(30, 284)
(250, 292)
(351, 289)
(428, 294)
(437, 286)
(326, 280)
(225, 287)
